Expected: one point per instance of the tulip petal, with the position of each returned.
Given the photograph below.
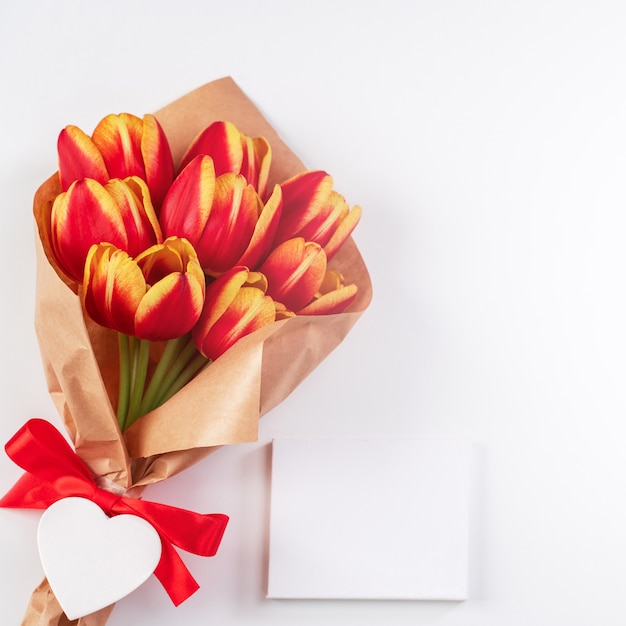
(170, 308)
(157, 158)
(282, 312)
(257, 280)
(187, 205)
(79, 158)
(234, 214)
(263, 158)
(255, 166)
(332, 280)
(249, 165)
(264, 230)
(221, 141)
(118, 137)
(343, 231)
(322, 225)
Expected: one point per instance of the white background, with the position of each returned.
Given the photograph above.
(486, 142)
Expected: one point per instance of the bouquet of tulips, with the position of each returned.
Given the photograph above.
(192, 272)
(196, 257)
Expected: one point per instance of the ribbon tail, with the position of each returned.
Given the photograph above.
(174, 575)
(30, 492)
(193, 532)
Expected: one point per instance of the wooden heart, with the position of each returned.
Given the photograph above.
(91, 560)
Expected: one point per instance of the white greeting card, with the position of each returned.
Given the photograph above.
(369, 519)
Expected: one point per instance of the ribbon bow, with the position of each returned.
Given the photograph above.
(54, 471)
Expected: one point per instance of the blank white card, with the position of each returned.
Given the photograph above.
(369, 519)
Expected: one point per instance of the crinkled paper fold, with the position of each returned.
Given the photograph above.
(223, 404)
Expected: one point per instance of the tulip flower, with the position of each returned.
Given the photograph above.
(333, 296)
(156, 296)
(295, 271)
(119, 213)
(120, 146)
(223, 217)
(235, 305)
(234, 152)
(314, 211)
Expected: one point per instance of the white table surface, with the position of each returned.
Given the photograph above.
(486, 142)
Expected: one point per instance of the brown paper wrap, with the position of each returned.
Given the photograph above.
(223, 404)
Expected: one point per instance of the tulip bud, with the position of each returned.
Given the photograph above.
(79, 158)
(235, 305)
(157, 296)
(314, 211)
(113, 287)
(88, 213)
(295, 271)
(233, 152)
(121, 146)
(224, 217)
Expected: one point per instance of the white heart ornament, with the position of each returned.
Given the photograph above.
(91, 560)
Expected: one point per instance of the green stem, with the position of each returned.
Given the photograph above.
(132, 352)
(123, 399)
(173, 348)
(139, 380)
(193, 368)
(174, 371)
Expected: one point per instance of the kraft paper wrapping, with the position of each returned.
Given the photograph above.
(219, 407)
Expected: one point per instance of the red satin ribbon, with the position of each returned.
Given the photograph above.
(54, 471)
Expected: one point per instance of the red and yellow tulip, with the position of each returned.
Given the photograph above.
(236, 305)
(222, 216)
(118, 212)
(295, 271)
(156, 296)
(314, 211)
(233, 152)
(120, 146)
